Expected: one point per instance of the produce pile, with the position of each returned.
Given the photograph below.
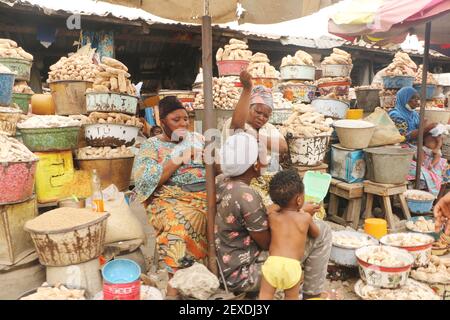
(22, 87)
(333, 79)
(338, 57)
(412, 290)
(225, 94)
(235, 50)
(305, 122)
(402, 65)
(10, 49)
(389, 96)
(421, 225)
(354, 240)
(59, 292)
(372, 86)
(104, 153)
(408, 239)
(437, 271)
(78, 66)
(12, 150)
(60, 219)
(430, 78)
(279, 102)
(48, 122)
(113, 118)
(382, 257)
(112, 76)
(260, 67)
(301, 58)
(418, 195)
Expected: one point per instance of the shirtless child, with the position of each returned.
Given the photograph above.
(432, 147)
(289, 228)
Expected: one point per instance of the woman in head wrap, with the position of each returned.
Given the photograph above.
(170, 181)
(241, 226)
(407, 121)
(252, 114)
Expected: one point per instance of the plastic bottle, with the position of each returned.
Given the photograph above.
(97, 196)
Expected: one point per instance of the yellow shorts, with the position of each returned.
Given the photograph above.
(282, 273)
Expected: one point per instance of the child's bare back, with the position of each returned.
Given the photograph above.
(289, 230)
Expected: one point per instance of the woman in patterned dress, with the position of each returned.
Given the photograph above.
(407, 121)
(170, 182)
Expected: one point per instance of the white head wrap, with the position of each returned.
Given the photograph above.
(238, 154)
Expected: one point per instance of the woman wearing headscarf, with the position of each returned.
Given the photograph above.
(407, 121)
(251, 115)
(242, 229)
(170, 181)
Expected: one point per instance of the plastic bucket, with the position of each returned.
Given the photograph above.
(232, 67)
(375, 227)
(6, 88)
(397, 82)
(388, 165)
(355, 114)
(429, 91)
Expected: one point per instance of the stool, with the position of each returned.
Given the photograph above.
(386, 191)
(353, 192)
(323, 168)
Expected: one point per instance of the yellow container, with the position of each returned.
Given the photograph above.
(355, 114)
(54, 170)
(375, 227)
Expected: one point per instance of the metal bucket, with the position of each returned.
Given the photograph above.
(308, 151)
(298, 73)
(298, 92)
(388, 165)
(111, 102)
(21, 67)
(6, 88)
(110, 135)
(50, 139)
(368, 99)
(336, 70)
(115, 171)
(23, 100)
(69, 96)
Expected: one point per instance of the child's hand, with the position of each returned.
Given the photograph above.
(311, 208)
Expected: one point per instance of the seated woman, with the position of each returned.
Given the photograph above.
(171, 184)
(407, 121)
(242, 227)
(251, 115)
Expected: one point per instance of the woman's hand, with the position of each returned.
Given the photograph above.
(442, 214)
(311, 208)
(246, 80)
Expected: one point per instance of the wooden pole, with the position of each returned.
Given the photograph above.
(423, 101)
(209, 124)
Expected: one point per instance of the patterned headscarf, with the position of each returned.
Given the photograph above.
(261, 94)
(400, 111)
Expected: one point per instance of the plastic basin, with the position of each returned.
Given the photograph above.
(429, 91)
(354, 134)
(420, 206)
(232, 67)
(121, 271)
(397, 82)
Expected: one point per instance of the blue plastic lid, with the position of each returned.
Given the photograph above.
(121, 271)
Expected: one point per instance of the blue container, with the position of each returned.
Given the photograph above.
(420, 206)
(347, 164)
(6, 88)
(430, 90)
(120, 271)
(397, 82)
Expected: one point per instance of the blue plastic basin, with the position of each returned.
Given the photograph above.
(397, 82)
(121, 271)
(420, 206)
(6, 88)
(430, 90)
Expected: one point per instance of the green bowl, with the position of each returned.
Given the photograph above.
(22, 100)
(50, 139)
